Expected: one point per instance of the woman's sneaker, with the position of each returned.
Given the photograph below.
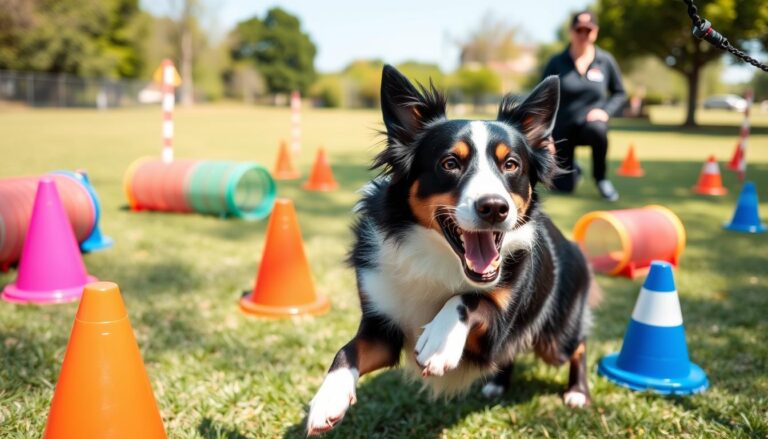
(607, 191)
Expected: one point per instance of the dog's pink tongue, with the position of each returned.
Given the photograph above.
(479, 249)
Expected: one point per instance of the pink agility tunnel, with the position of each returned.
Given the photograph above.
(17, 196)
(624, 242)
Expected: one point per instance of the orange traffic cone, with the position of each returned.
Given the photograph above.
(630, 167)
(284, 169)
(103, 389)
(710, 182)
(738, 154)
(321, 178)
(284, 286)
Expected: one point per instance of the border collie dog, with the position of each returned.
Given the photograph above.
(455, 263)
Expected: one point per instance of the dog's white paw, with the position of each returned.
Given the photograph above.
(575, 399)
(492, 390)
(441, 345)
(332, 400)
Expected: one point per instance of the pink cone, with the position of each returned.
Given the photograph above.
(51, 269)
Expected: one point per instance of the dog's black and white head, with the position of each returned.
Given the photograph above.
(470, 181)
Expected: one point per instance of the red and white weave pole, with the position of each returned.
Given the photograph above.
(738, 162)
(169, 100)
(296, 122)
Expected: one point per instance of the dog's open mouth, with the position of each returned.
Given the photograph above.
(479, 250)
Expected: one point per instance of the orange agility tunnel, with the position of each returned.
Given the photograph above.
(624, 242)
(17, 195)
(239, 189)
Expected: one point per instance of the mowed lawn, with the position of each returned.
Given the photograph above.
(217, 373)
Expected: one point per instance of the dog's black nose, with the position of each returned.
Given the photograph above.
(492, 208)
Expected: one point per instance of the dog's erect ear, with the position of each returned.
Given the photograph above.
(405, 109)
(534, 116)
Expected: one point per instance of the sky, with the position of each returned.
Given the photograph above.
(398, 30)
(393, 30)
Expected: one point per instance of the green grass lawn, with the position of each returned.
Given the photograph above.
(219, 374)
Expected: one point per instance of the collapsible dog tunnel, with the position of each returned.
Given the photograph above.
(225, 188)
(17, 196)
(624, 242)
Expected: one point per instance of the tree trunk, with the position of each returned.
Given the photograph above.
(693, 92)
(187, 85)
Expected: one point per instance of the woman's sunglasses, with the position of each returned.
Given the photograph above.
(582, 30)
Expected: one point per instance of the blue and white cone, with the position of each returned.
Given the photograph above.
(746, 218)
(654, 355)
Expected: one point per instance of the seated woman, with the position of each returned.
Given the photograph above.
(590, 93)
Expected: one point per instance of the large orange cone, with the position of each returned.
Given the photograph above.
(630, 167)
(321, 178)
(710, 182)
(284, 286)
(103, 389)
(284, 169)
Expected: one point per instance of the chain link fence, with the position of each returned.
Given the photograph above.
(37, 89)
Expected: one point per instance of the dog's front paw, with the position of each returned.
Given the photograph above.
(331, 401)
(576, 399)
(441, 345)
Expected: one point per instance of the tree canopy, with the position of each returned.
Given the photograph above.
(279, 49)
(661, 28)
(82, 37)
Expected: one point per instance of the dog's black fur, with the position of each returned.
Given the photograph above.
(425, 267)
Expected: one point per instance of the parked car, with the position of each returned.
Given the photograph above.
(727, 102)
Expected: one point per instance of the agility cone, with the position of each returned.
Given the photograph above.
(710, 182)
(654, 355)
(51, 269)
(321, 179)
(103, 390)
(284, 169)
(630, 167)
(746, 217)
(738, 154)
(284, 286)
(95, 241)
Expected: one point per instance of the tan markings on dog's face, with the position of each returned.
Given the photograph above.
(424, 208)
(461, 149)
(502, 151)
(501, 297)
(521, 203)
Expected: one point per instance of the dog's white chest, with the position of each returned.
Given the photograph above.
(413, 280)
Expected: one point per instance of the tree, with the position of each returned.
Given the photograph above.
(281, 52)
(477, 83)
(493, 40)
(663, 29)
(421, 72)
(82, 37)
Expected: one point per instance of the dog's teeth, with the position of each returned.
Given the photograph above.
(495, 264)
(470, 265)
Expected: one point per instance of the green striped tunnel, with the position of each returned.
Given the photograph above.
(225, 188)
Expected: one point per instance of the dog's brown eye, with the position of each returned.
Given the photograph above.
(510, 165)
(450, 164)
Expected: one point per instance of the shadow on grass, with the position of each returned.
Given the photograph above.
(208, 429)
(389, 405)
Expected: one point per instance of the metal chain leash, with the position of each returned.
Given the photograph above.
(702, 29)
